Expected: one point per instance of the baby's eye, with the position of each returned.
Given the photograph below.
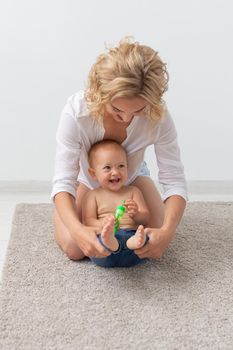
(107, 168)
(121, 166)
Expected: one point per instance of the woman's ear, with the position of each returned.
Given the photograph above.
(92, 173)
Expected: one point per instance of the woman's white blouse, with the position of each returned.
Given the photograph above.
(77, 131)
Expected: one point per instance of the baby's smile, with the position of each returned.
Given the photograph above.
(115, 180)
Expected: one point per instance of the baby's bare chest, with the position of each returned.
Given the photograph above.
(107, 202)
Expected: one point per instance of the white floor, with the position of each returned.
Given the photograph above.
(9, 198)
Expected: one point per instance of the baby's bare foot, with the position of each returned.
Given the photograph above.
(107, 235)
(137, 240)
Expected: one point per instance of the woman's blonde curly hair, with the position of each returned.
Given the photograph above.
(127, 70)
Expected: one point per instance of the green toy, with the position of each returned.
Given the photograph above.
(120, 210)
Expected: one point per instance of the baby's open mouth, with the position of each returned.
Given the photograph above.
(116, 180)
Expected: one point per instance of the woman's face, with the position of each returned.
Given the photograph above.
(123, 110)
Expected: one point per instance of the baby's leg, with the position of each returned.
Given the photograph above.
(108, 237)
(138, 239)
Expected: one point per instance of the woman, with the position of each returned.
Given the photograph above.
(123, 101)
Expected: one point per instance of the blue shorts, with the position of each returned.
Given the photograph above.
(123, 257)
(143, 171)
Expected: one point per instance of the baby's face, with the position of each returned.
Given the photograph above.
(110, 167)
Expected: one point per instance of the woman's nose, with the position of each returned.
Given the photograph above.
(127, 117)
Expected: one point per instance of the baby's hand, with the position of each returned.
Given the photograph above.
(132, 207)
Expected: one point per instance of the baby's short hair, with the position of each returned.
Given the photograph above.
(101, 144)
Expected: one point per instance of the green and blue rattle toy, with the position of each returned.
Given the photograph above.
(119, 213)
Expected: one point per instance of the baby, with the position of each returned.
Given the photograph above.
(108, 166)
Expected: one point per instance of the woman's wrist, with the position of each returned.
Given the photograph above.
(169, 227)
(168, 231)
(174, 209)
(76, 227)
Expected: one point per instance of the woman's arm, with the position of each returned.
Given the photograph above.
(174, 209)
(171, 176)
(171, 171)
(66, 208)
(68, 151)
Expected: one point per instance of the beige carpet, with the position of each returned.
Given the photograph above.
(182, 301)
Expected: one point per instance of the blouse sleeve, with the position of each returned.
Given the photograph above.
(68, 149)
(171, 170)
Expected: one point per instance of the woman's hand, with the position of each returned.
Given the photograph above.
(132, 207)
(159, 240)
(88, 242)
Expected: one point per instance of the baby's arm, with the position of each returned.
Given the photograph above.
(137, 208)
(89, 211)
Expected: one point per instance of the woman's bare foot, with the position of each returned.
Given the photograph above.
(107, 235)
(137, 240)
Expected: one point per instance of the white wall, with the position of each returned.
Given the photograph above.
(48, 46)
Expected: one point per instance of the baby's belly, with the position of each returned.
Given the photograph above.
(127, 222)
